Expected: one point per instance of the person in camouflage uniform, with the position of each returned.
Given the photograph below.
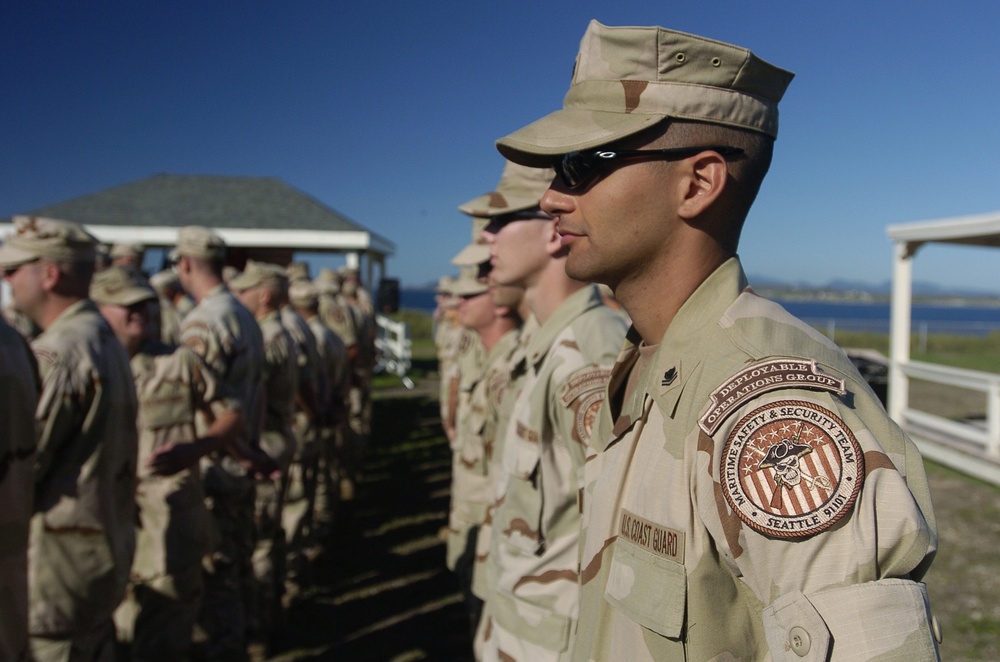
(81, 537)
(536, 521)
(18, 400)
(184, 414)
(472, 488)
(304, 297)
(226, 335)
(261, 289)
(747, 496)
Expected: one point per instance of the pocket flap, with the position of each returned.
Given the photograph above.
(647, 588)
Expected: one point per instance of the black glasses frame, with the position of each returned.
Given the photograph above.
(577, 169)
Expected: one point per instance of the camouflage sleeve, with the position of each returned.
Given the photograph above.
(820, 504)
(61, 407)
(210, 393)
(198, 336)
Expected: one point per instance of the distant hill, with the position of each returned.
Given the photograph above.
(841, 290)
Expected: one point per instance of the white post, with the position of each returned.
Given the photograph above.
(899, 327)
(993, 420)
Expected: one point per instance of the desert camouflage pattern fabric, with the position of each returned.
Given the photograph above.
(280, 383)
(18, 399)
(626, 79)
(750, 499)
(226, 336)
(174, 530)
(506, 377)
(82, 536)
(339, 319)
(536, 523)
(469, 493)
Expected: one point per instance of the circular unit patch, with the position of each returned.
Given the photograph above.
(791, 469)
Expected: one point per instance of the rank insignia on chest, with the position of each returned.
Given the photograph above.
(791, 469)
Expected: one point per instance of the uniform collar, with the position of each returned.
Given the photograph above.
(680, 351)
(575, 305)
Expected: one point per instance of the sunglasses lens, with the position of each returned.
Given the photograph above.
(575, 168)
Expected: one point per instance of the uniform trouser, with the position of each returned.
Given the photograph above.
(97, 645)
(328, 483)
(299, 513)
(268, 558)
(156, 618)
(229, 585)
(463, 571)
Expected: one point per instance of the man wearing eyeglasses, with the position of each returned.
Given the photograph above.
(746, 496)
(532, 610)
(81, 537)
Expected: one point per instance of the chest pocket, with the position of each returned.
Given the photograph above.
(648, 589)
(521, 511)
(168, 407)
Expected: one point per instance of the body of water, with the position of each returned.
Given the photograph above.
(833, 316)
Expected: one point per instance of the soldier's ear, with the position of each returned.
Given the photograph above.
(51, 275)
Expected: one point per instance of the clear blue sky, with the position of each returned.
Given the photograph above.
(387, 111)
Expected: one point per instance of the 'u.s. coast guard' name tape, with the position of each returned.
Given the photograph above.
(763, 377)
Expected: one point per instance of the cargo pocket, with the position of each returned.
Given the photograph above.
(647, 589)
(535, 624)
(522, 504)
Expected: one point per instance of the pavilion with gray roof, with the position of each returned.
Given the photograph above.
(260, 218)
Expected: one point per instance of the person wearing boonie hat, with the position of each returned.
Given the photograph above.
(156, 618)
(745, 495)
(530, 612)
(80, 539)
(226, 336)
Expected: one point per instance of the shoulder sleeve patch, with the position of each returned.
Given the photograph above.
(791, 469)
(761, 378)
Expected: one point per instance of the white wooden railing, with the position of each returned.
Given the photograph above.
(988, 437)
(393, 349)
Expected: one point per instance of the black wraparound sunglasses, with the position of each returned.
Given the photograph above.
(577, 169)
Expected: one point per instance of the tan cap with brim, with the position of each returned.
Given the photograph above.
(627, 79)
(303, 293)
(256, 274)
(520, 188)
(468, 284)
(474, 254)
(199, 242)
(120, 286)
(37, 238)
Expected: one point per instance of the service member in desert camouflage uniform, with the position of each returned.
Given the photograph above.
(18, 399)
(747, 497)
(318, 503)
(81, 537)
(224, 333)
(536, 523)
(183, 416)
(261, 289)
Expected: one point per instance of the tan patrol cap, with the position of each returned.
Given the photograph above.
(256, 274)
(474, 254)
(126, 250)
(121, 286)
(327, 281)
(520, 188)
(303, 293)
(468, 283)
(37, 238)
(629, 78)
(163, 280)
(297, 271)
(200, 242)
